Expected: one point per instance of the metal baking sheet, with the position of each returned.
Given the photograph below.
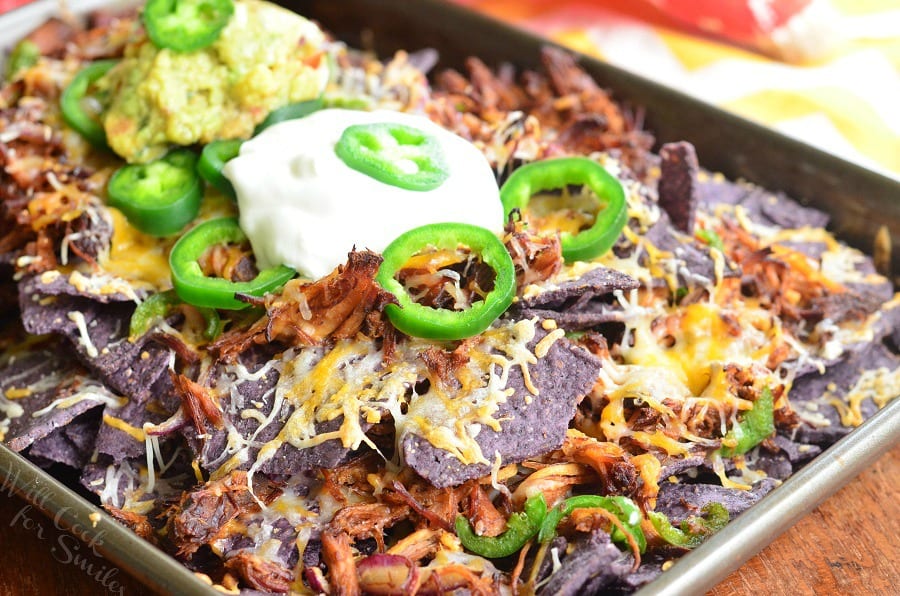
(726, 143)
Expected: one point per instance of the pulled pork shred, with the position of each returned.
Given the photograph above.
(346, 302)
(573, 115)
(204, 513)
(261, 574)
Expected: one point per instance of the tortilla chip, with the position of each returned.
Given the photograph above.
(72, 444)
(761, 206)
(531, 424)
(695, 266)
(37, 381)
(129, 368)
(677, 187)
(260, 394)
(680, 501)
(572, 294)
(812, 395)
(594, 564)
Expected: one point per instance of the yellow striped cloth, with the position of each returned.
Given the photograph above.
(847, 103)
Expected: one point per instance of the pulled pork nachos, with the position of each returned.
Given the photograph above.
(314, 323)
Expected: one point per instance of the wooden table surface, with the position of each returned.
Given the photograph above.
(848, 545)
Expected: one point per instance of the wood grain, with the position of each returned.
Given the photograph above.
(845, 546)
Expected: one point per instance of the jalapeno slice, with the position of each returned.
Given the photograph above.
(695, 529)
(520, 528)
(195, 288)
(438, 323)
(560, 173)
(213, 159)
(158, 306)
(74, 103)
(186, 25)
(161, 197)
(25, 55)
(625, 510)
(755, 426)
(291, 111)
(394, 154)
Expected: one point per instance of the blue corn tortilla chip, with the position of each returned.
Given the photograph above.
(810, 394)
(774, 465)
(590, 316)
(530, 424)
(695, 266)
(546, 567)
(44, 375)
(876, 288)
(680, 501)
(760, 205)
(778, 457)
(677, 186)
(287, 459)
(593, 284)
(883, 326)
(121, 444)
(72, 444)
(117, 482)
(593, 564)
(99, 289)
(813, 250)
(651, 568)
(98, 332)
(676, 466)
(796, 453)
(580, 304)
(116, 436)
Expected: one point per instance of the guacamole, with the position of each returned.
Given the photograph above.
(266, 57)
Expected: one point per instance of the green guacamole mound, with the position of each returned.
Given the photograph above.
(265, 58)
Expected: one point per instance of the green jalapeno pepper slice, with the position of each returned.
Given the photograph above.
(755, 425)
(552, 174)
(195, 288)
(213, 159)
(73, 103)
(711, 239)
(186, 25)
(694, 530)
(161, 197)
(394, 154)
(520, 528)
(443, 324)
(291, 111)
(158, 306)
(25, 55)
(623, 508)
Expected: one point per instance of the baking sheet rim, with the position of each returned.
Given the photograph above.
(698, 571)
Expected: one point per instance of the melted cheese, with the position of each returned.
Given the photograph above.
(880, 385)
(143, 260)
(17, 393)
(134, 432)
(673, 362)
(84, 338)
(350, 382)
(98, 394)
(136, 256)
(701, 337)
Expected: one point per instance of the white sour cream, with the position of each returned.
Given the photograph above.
(303, 207)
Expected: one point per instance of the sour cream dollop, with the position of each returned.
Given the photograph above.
(302, 206)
